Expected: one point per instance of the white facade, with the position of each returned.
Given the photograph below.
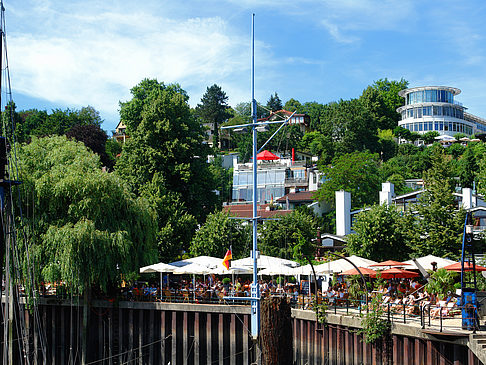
(433, 108)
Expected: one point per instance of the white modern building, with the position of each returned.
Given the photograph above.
(433, 108)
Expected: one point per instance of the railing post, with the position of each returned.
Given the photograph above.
(347, 306)
(404, 314)
(335, 306)
(440, 318)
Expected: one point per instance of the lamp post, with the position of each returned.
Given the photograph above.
(255, 127)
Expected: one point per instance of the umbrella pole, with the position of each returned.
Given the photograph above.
(194, 286)
(161, 284)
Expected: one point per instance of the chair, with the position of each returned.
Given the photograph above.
(167, 295)
(185, 296)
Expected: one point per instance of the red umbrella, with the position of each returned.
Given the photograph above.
(398, 273)
(390, 263)
(467, 267)
(363, 270)
(267, 156)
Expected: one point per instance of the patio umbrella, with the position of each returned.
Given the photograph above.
(263, 262)
(160, 267)
(389, 263)
(266, 155)
(363, 270)
(467, 267)
(426, 262)
(343, 265)
(232, 270)
(396, 273)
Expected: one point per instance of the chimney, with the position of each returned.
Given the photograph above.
(343, 213)
(387, 193)
(467, 198)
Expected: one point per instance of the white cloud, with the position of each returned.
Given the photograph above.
(95, 58)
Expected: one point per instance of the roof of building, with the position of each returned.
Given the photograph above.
(301, 196)
(246, 211)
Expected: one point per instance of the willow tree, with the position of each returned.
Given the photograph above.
(82, 224)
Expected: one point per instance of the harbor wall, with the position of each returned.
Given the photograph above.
(159, 333)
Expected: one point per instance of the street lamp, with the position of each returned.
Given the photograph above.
(255, 127)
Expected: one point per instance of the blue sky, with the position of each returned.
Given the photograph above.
(77, 53)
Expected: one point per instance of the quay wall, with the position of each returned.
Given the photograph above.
(159, 333)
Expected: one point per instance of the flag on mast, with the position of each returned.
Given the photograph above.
(227, 259)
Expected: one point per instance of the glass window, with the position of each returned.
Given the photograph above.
(415, 127)
(436, 126)
(418, 112)
(441, 126)
(430, 126)
(420, 125)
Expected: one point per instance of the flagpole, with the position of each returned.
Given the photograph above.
(255, 289)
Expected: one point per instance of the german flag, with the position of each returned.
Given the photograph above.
(227, 259)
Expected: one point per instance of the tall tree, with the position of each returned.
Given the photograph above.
(382, 101)
(380, 234)
(440, 225)
(274, 103)
(214, 110)
(356, 173)
(289, 237)
(293, 105)
(218, 233)
(83, 225)
(94, 138)
(165, 160)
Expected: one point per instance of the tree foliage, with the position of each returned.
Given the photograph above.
(356, 173)
(274, 103)
(94, 138)
(40, 123)
(213, 109)
(290, 237)
(84, 226)
(440, 224)
(218, 233)
(164, 160)
(380, 234)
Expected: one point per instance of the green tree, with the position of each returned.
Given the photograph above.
(382, 101)
(166, 140)
(218, 233)
(356, 173)
(429, 137)
(440, 225)
(274, 103)
(83, 225)
(289, 237)
(214, 110)
(94, 138)
(164, 160)
(351, 127)
(380, 234)
(293, 105)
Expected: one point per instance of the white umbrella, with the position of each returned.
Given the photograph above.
(264, 262)
(278, 270)
(426, 262)
(206, 261)
(343, 265)
(232, 270)
(160, 267)
(193, 269)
